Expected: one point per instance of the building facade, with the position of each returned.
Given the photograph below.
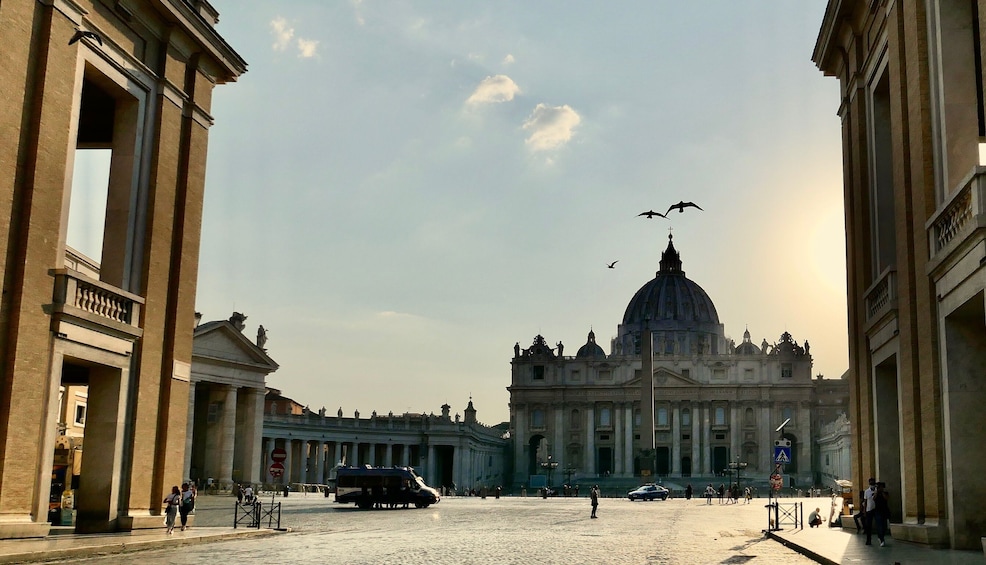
(913, 126)
(132, 80)
(226, 403)
(674, 397)
(445, 451)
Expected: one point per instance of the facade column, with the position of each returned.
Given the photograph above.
(735, 430)
(253, 428)
(559, 451)
(189, 430)
(676, 439)
(228, 436)
(467, 479)
(618, 440)
(706, 445)
(628, 439)
(590, 440)
(766, 440)
(696, 415)
(521, 460)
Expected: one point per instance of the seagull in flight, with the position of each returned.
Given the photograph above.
(79, 34)
(650, 214)
(682, 205)
(611, 265)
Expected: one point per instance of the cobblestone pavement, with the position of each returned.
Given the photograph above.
(510, 530)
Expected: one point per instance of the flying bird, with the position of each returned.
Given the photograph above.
(650, 214)
(79, 34)
(611, 265)
(682, 205)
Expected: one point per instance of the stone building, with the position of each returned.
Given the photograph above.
(226, 403)
(913, 128)
(444, 450)
(133, 80)
(674, 397)
(834, 449)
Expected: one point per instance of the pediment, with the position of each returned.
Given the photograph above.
(666, 378)
(220, 342)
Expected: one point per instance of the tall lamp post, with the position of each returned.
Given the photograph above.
(738, 466)
(548, 465)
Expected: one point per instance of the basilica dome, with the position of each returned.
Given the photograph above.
(676, 310)
(670, 297)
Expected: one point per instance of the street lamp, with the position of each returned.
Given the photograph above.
(548, 465)
(738, 466)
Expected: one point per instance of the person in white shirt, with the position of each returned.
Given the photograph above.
(869, 505)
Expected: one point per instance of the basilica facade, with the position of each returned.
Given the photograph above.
(674, 397)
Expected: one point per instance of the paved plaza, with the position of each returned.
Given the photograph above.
(509, 530)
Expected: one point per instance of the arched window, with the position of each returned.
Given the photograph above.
(751, 417)
(787, 413)
(576, 419)
(636, 417)
(537, 418)
(662, 416)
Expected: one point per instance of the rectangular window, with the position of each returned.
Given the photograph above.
(686, 436)
(748, 375)
(576, 376)
(720, 436)
(719, 374)
(662, 417)
(686, 417)
(786, 370)
(537, 418)
(720, 417)
(605, 418)
(604, 437)
(538, 372)
(215, 412)
(605, 375)
(80, 414)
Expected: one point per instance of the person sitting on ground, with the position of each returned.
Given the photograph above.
(814, 519)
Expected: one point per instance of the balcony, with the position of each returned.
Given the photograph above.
(84, 302)
(959, 216)
(881, 297)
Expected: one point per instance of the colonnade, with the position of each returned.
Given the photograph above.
(224, 428)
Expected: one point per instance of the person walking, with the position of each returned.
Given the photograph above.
(881, 512)
(869, 507)
(171, 503)
(594, 499)
(709, 492)
(187, 504)
(688, 492)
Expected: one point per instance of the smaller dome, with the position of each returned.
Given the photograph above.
(591, 348)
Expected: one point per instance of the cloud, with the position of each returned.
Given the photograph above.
(551, 126)
(356, 12)
(496, 88)
(282, 33)
(508, 59)
(306, 48)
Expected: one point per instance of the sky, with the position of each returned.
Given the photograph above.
(398, 191)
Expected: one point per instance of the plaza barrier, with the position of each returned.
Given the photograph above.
(253, 514)
(781, 514)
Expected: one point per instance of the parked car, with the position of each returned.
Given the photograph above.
(649, 492)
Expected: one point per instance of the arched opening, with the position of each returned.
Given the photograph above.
(537, 452)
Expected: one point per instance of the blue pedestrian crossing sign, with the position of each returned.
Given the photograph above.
(782, 451)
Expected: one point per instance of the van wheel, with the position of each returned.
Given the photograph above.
(364, 504)
(417, 505)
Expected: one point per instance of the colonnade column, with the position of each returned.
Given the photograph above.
(431, 465)
(253, 425)
(319, 462)
(675, 439)
(228, 436)
(388, 459)
(189, 430)
(628, 439)
(590, 440)
(373, 454)
(406, 456)
(288, 462)
(735, 431)
(264, 459)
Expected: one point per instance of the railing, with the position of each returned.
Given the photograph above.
(784, 514)
(80, 296)
(252, 514)
(957, 215)
(882, 294)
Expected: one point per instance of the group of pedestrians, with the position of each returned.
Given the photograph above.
(180, 501)
(727, 495)
(874, 512)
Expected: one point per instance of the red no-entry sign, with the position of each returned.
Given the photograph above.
(278, 454)
(276, 470)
